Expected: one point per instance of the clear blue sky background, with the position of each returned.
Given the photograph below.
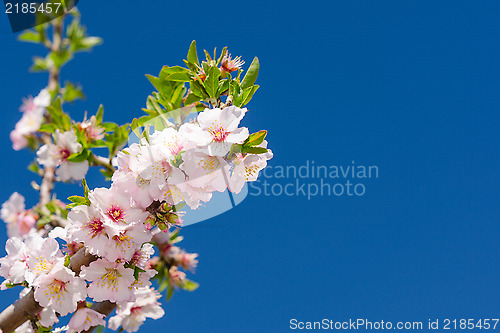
(410, 86)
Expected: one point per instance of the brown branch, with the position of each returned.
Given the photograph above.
(54, 77)
(26, 307)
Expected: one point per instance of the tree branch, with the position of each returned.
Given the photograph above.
(54, 75)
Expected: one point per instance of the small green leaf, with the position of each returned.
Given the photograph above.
(251, 75)
(255, 139)
(67, 260)
(212, 81)
(175, 73)
(191, 98)
(72, 92)
(170, 292)
(190, 285)
(192, 55)
(78, 201)
(247, 97)
(47, 128)
(86, 189)
(253, 150)
(79, 157)
(30, 36)
(100, 114)
(34, 167)
(41, 64)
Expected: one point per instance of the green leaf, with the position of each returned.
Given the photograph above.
(177, 95)
(41, 64)
(224, 50)
(72, 92)
(134, 126)
(137, 270)
(30, 36)
(192, 55)
(198, 89)
(154, 81)
(191, 98)
(234, 89)
(67, 260)
(90, 42)
(170, 292)
(78, 201)
(61, 58)
(34, 167)
(43, 221)
(175, 73)
(86, 189)
(212, 81)
(207, 55)
(109, 127)
(177, 160)
(223, 86)
(47, 128)
(190, 285)
(79, 157)
(247, 97)
(251, 75)
(253, 150)
(255, 139)
(174, 235)
(100, 114)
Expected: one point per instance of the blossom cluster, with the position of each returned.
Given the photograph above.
(120, 224)
(189, 164)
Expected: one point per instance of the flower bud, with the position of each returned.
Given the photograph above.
(173, 219)
(164, 207)
(150, 222)
(162, 225)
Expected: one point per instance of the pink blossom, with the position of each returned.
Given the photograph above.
(125, 241)
(117, 206)
(87, 224)
(13, 266)
(61, 290)
(186, 260)
(56, 155)
(141, 256)
(42, 259)
(176, 277)
(84, 319)
(222, 125)
(131, 315)
(246, 168)
(19, 221)
(111, 281)
(33, 112)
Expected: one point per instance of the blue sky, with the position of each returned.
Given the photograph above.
(408, 86)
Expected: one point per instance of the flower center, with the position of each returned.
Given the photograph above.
(95, 227)
(64, 153)
(218, 133)
(42, 265)
(56, 290)
(109, 279)
(116, 213)
(135, 310)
